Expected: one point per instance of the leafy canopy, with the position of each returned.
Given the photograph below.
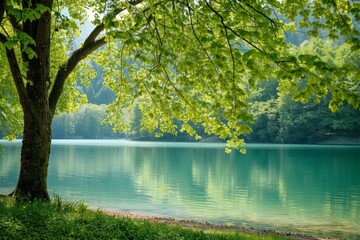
(191, 60)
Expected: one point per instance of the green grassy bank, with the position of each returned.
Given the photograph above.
(62, 220)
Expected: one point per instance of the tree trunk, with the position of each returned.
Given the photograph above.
(39, 93)
(33, 90)
(32, 182)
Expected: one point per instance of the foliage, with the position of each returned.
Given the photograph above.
(63, 220)
(279, 119)
(286, 121)
(96, 92)
(189, 60)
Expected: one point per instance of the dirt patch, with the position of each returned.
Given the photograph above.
(210, 226)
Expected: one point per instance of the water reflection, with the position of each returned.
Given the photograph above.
(312, 189)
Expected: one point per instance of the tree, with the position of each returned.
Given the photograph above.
(264, 108)
(191, 60)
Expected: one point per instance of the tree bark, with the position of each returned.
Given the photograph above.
(32, 182)
(33, 91)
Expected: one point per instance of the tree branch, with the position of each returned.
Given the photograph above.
(262, 14)
(342, 19)
(90, 45)
(229, 28)
(101, 27)
(17, 76)
(94, 34)
(198, 40)
(16, 25)
(66, 69)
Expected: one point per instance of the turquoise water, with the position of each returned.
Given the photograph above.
(304, 188)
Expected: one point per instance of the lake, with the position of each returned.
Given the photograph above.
(304, 188)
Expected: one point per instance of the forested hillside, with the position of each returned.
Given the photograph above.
(277, 118)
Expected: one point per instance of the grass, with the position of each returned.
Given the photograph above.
(64, 220)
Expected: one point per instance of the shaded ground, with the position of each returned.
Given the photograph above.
(209, 226)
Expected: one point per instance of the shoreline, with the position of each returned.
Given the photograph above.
(206, 226)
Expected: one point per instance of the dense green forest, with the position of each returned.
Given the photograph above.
(277, 118)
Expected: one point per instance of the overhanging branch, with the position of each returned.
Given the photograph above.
(90, 45)
(65, 70)
(273, 23)
(17, 76)
(94, 34)
(198, 39)
(229, 28)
